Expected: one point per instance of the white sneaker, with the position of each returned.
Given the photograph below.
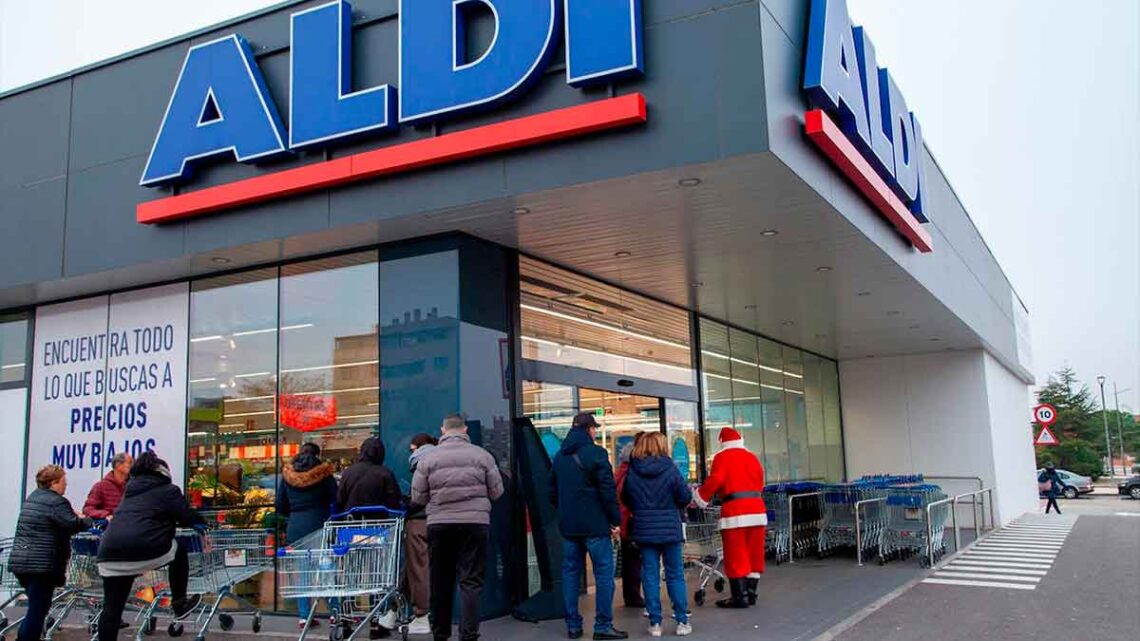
(655, 630)
(387, 620)
(419, 625)
(684, 629)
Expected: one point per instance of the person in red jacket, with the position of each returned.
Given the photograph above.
(737, 477)
(105, 495)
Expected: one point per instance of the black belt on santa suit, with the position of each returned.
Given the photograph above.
(742, 495)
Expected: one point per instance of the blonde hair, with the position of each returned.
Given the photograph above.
(48, 475)
(652, 444)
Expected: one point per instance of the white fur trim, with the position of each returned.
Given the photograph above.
(744, 520)
(701, 503)
(753, 575)
(733, 444)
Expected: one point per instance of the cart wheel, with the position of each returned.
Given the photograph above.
(49, 623)
(93, 627)
(699, 597)
(226, 621)
(256, 623)
(404, 632)
(200, 637)
(150, 625)
(174, 629)
(718, 585)
(3, 624)
(336, 633)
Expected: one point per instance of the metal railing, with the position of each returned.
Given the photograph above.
(858, 528)
(977, 505)
(930, 527)
(792, 522)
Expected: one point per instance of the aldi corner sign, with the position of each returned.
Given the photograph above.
(220, 107)
(860, 120)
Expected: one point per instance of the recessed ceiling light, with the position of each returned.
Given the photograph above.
(750, 307)
(220, 260)
(520, 211)
(916, 326)
(823, 269)
(768, 233)
(821, 336)
(696, 283)
(894, 312)
(689, 182)
(935, 340)
(788, 323)
(864, 293)
(622, 254)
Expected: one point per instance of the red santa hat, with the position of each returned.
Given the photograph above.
(729, 436)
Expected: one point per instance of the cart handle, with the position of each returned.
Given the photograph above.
(367, 509)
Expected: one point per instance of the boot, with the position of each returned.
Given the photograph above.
(752, 586)
(738, 588)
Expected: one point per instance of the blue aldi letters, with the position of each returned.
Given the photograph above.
(841, 75)
(220, 105)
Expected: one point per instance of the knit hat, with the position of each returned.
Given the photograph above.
(729, 435)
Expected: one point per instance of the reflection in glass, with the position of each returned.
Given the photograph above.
(577, 321)
(772, 380)
(681, 431)
(746, 406)
(13, 350)
(329, 382)
(798, 462)
(232, 410)
(621, 417)
(813, 402)
(716, 379)
(832, 423)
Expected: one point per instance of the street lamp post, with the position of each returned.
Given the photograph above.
(1120, 426)
(1104, 415)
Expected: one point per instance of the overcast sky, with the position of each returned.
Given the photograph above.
(1030, 106)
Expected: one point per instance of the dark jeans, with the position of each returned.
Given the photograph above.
(1052, 503)
(631, 574)
(39, 589)
(458, 552)
(117, 590)
(601, 551)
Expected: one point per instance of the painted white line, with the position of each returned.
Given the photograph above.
(981, 584)
(1016, 546)
(955, 567)
(1027, 538)
(1037, 542)
(1004, 564)
(1041, 528)
(1011, 554)
(1033, 580)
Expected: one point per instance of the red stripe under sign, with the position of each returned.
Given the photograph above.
(569, 122)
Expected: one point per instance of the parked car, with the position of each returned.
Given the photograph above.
(1131, 487)
(1072, 485)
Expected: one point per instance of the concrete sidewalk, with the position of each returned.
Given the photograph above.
(797, 603)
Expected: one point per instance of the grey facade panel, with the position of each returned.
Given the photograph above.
(791, 17)
(117, 109)
(660, 11)
(301, 214)
(34, 135)
(101, 233)
(30, 212)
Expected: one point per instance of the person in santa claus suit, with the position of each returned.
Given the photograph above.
(737, 477)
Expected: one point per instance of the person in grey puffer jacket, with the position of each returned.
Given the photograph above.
(41, 549)
(457, 482)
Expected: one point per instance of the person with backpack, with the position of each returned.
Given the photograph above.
(1049, 475)
(305, 498)
(582, 488)
(656, 494)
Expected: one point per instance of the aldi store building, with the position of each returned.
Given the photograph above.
(323, 222)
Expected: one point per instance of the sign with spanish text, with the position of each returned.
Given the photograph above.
(109, 376)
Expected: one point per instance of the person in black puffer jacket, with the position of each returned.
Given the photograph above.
(41, 549)
(656, 494)
(305, 497)
(368, 483)
(141, 538)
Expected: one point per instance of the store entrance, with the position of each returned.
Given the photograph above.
(621, 415)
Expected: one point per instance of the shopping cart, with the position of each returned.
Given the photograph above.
(10, 588)
(905, 533)
(838, 528)
(792, 532)
(219, 560)
(353, 559)
(704, 550)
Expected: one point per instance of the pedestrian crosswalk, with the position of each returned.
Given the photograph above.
(1017, 557)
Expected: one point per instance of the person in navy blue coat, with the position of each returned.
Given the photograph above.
(656, 494)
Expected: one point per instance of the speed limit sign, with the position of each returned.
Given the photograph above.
(1044, 414)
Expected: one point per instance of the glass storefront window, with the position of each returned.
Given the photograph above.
(232, 415)
(716, 375)
(13, 350)
(776, 460)
(329, 385)
(681, 433)
(576, 321)
(813, 403)
(798, 464)
(621, 417)
(832, 423)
